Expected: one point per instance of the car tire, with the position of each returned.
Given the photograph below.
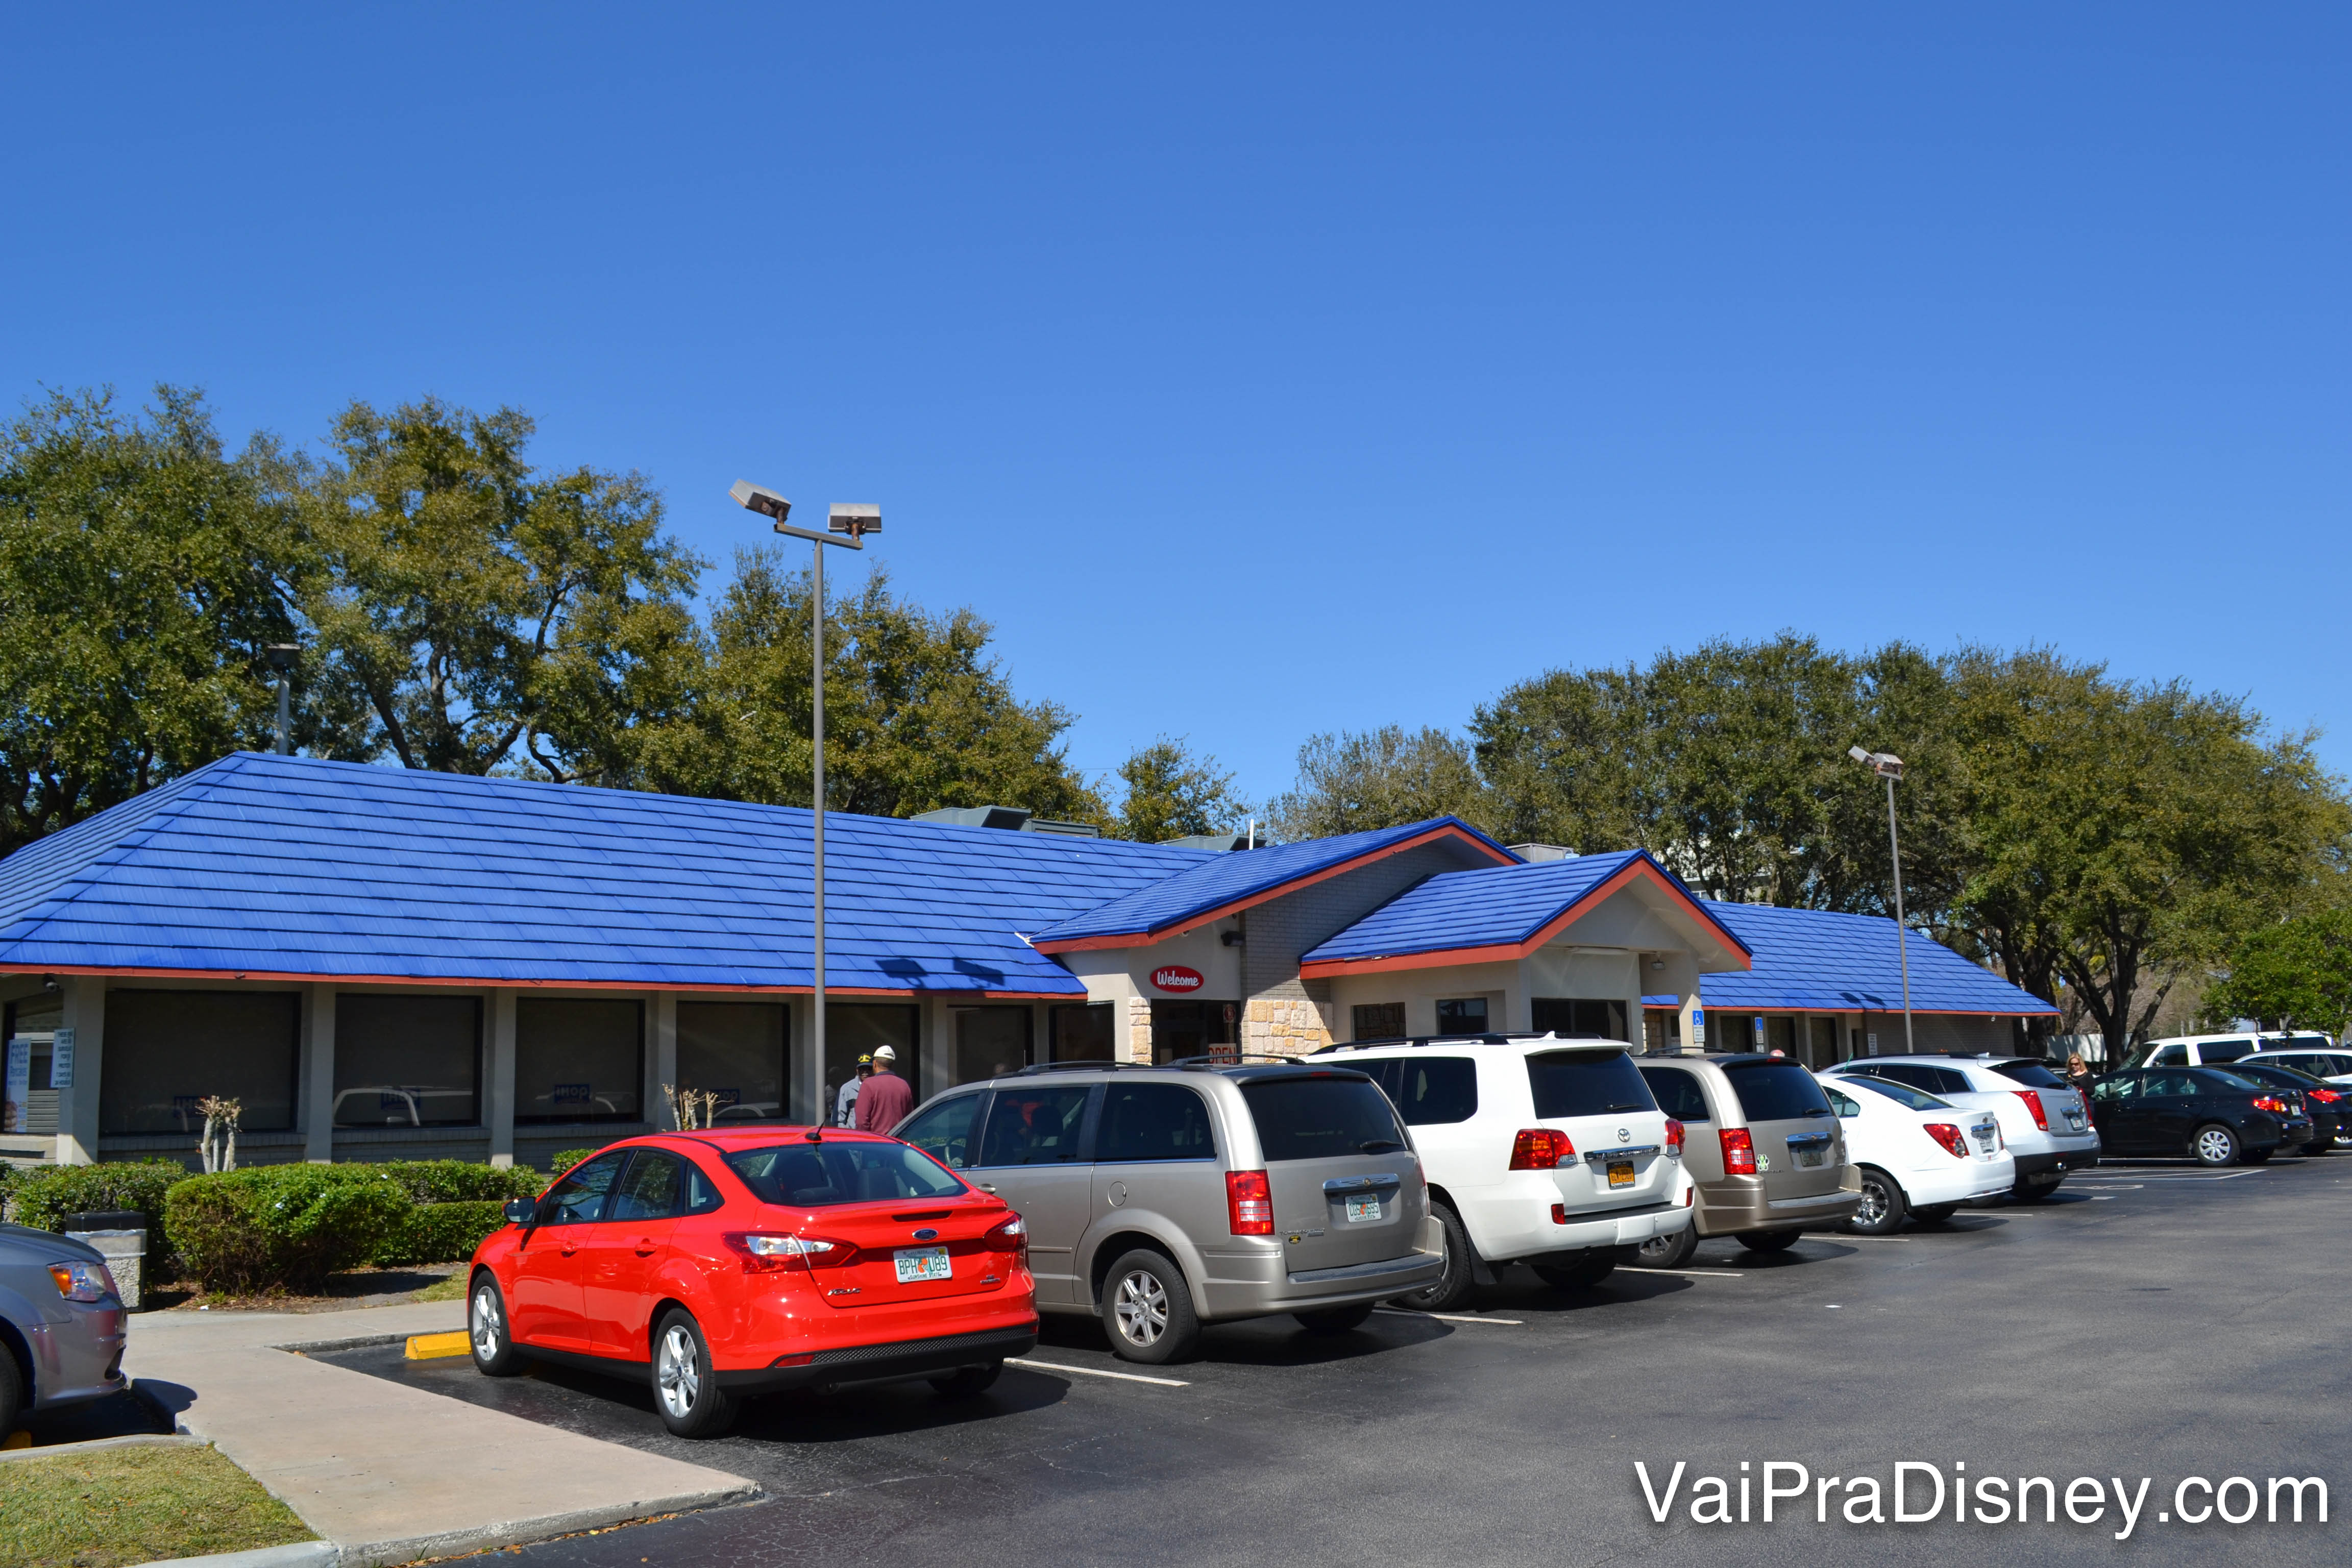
(1335, 1319)
(2313, 1149)
(11, 1392)
(1667, 1251)
(1147, 1309)
(487, 1329)
(1576, 1275)
(1450, 1288)
(965, 1382)
(1935, 1213)
(1769, 1240)
(2214, 1144)
(1883, 1206)
(687, 1395)
(2259, 1156)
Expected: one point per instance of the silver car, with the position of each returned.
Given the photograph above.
(1159, 1199)
(61, 1324)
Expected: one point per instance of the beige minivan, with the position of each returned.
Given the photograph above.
(1159, 1199)
(1762, 1145)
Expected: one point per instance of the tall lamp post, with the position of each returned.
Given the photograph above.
(282, 658)
(851, 524)
(1889, 766)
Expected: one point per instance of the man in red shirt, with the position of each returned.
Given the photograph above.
(884, 1099)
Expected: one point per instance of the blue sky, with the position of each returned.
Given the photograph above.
(1263, 370)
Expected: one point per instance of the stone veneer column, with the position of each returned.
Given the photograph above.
(1284, 1026)
(1139, 1030)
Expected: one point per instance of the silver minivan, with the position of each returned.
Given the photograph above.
(1159, 1199)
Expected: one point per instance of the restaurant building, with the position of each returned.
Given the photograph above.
(379, 963)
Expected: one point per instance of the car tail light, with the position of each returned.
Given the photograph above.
(2324, 1096)
(2262, 1102)
(1946, 1134)
(82, 1281)
(1013, 1235)
(1541, 1149)
(768, 1254)
(1738, 1151)
(1249, 1203)
(1674, 1139)
(1560, 1213)
(2034, 1104)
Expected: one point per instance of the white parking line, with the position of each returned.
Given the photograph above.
(1096, 1372)
(1453, 1318)
(1685, 1273)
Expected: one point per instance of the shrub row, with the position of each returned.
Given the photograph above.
(42, 1195)
(440, 1233)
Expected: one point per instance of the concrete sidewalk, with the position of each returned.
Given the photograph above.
(389, 1473)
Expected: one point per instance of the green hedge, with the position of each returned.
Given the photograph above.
(462, 1181)
(439, 1233)
(282, 1226)
(567, 1158)
(43, 1195)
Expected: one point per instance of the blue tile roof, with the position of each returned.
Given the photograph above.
(285, 865)
(1813, 959)
(1232, 877)
(1485, 907)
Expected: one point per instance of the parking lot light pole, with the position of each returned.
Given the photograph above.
(1889, 766)
(852, 524)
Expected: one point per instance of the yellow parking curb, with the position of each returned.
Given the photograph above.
(434, 1347)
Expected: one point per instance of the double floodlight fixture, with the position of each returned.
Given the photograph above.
(1885, 764)
(854, 519)
(760, 499)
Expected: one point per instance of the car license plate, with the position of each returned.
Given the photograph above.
(917, 1264)
(2075, 1121)
(1621, 1173)
(1362, 1209)
(1809, 1159)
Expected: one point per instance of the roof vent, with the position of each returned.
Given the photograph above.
(1543, 852)
(1011, 818)
(1067, 829)
(1222, 843)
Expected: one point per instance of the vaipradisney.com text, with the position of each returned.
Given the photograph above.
(1773, 1491)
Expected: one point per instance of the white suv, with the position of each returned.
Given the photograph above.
(1538, 1150)
(2045, 1124)
(2219, 1050)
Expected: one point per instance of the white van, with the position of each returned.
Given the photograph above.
(2215, 1050)
(1538, 1150)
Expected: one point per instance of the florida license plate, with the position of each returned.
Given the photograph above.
(1621, 1173)
(1810, 1159)
(1362, 1209)
(2075, 1121)
(917, 1264)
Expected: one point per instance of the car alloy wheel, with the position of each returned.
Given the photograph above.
(1872, 1211)
(678, 1374)
(1142, 1309)
(490, 1324)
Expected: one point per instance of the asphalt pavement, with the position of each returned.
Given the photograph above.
(2156, 1322)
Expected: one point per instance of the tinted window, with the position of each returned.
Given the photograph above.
(1777, 1092)
(2032, 1074)
(1154, 1122)
(652, 1189)
(702, 1194)
(2271, 1072)
(1678, 1093)
(1034, 1126)
(944, 1131)
(1917, 1076)
(2171, 1056)
(1321, 1118)
(1587, 1083)
(1903, 1094)
(805, 1175)
(2169, 1085)
(1429, 1089)
(2224, 1050)
(579, 1198)
(2228, 1082)
(1840, 1103)
(1464, 1017)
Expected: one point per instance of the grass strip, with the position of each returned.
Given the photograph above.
(121, 1506)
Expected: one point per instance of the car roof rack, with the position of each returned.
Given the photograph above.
(1490, 1038)
(1240, 1059)
(1035, 1068)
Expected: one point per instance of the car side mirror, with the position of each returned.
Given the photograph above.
(522, 1211)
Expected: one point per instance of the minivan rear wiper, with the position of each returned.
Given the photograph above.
(1630, 1106)
(1379, 1146)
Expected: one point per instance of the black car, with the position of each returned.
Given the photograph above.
(2329, 1108)
(2213, 1116)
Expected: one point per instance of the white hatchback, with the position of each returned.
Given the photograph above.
(1920, 1156)
(1538, 1150)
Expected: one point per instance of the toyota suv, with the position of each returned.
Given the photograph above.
(1159, 1199)
(2045, 1123)
(1540, 1150)
(1762, 1145)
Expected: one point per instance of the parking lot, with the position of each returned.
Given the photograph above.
(2155, 1320)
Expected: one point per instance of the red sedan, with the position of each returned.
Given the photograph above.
(741, 1261)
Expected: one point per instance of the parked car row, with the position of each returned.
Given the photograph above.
(1159, 1199)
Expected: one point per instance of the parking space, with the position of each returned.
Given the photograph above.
(1501, 1432)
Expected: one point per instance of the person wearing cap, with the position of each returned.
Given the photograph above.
(884, 1099)
(845, 1113)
